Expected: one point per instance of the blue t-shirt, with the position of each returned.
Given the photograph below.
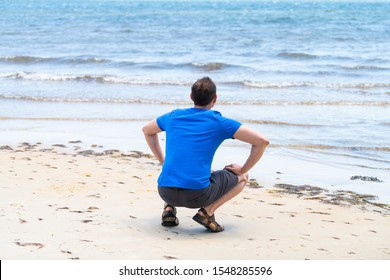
(192, 137)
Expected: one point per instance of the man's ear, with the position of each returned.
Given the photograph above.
(191, 96)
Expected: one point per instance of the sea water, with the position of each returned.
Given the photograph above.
(313, 76)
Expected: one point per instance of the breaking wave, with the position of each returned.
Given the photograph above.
(71, 60)
(185, 102)
(113, 79)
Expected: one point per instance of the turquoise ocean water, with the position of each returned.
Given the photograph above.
(314, 76)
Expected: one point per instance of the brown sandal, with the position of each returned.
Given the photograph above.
(169, 218)
(207, 221)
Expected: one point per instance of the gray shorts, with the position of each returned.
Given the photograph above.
(221, 182)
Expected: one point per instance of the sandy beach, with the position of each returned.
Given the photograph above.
(65, 202)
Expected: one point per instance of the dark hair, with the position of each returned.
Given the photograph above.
(203, 91)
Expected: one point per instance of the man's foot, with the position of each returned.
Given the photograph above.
(203, 218)
(169, 218)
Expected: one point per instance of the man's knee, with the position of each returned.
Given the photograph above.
(243, 178)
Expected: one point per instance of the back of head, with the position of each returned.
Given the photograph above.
(203, 91)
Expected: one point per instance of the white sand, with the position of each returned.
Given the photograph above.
(57, 204)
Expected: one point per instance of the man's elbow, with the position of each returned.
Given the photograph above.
(144, 130)
(266, 141)
(147, 131)
(262, 142)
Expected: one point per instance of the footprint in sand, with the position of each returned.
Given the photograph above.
(321, 213)
(33, 244)
(67, 252)
(322, 249)
(169, 258)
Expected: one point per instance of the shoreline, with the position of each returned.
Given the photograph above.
(67, 202)
(278, 165)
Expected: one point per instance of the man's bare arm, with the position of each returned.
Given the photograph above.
(151, 131)
(259, 143)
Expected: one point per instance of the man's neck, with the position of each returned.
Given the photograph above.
(207, 107)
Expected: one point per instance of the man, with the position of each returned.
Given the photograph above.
(192, 138)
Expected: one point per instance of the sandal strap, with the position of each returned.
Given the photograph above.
(210, 221)
(205, 214)
(173, 211)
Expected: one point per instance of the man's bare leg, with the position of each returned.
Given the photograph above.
(242, 180)
(205, 215)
